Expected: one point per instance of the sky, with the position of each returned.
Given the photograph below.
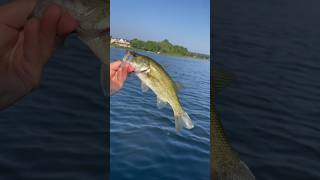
(182, 22)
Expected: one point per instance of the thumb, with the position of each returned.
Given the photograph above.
(115, 65)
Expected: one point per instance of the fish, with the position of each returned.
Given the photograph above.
(94, 27)
(225, 161)
(153, 76)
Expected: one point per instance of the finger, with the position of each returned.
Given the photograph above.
(130, 68)
(115, 83)
(112, 73)
(115, 65)
(8, 38)
(66, 25)
(115, 78)
(48, 30)
(123, 74)
(16, 13)
(32, 42)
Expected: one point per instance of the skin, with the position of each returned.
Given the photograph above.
(118, 75)
(26, 45)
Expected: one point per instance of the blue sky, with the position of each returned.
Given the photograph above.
(182, 22)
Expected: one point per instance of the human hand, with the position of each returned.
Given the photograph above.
(26, 45)
(118, 74)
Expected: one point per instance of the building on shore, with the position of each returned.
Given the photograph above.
(121, 42)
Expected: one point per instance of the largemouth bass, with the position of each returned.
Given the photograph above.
(153, 76)
(94, 22)
(225, 162)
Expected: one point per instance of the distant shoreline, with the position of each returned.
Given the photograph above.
(159, 47)
(163, 54)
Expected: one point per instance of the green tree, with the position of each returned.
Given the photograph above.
(136, 43)
(164, 47)
(152, 46)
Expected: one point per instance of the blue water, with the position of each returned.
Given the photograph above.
(144, 143)
(271, 111)
(59, 131)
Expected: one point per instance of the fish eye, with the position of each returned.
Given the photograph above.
(134, 54)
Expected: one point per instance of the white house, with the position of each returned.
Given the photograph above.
(121, 42)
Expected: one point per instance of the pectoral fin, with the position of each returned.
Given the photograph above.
(160, 103)
(144, 87)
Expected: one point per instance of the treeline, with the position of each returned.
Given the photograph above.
(199, 55)
(164, 47)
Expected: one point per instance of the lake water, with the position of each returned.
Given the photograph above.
(271, 111)
(60, 130)
(144, 143)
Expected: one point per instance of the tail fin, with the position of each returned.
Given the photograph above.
(239, 171)
(183, 121)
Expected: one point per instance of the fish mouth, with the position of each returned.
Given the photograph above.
(132, 53)
(128, 59)
(129, 56)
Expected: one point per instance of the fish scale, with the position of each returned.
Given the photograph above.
(225, 162)
(154, 76)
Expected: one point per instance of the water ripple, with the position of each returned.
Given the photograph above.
(271, 110)
(144, 142)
